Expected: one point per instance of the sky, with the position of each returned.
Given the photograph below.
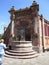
(5, 6)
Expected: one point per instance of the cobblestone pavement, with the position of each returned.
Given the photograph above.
(42, 59)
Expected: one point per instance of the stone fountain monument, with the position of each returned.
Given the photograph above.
(21, 32)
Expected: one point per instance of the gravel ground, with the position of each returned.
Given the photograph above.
(42, 59)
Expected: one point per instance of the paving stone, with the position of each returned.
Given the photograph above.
(42, 59)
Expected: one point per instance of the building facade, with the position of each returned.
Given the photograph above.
(27, 25)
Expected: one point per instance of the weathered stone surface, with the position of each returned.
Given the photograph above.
(42, 59)
(21, 50)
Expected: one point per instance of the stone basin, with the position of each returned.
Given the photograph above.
(21, 50)
(23, 46)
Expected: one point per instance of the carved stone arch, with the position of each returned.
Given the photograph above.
(25, 22)
(27, 25)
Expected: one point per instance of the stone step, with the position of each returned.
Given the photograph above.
(20, 53)
(22, 48)
(23, 45)
(22, 57)
(15, 51)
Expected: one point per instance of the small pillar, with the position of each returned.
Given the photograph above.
(40, 35)
(12, 19)
(35, 8)
(43, 34)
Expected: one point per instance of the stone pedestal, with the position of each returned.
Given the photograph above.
(22, 50)
(22, 46)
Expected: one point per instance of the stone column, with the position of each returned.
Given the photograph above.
(12, 19)
(36, 34)
(36, 25)
(12, 26)
(43, 33)
(40, 35)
